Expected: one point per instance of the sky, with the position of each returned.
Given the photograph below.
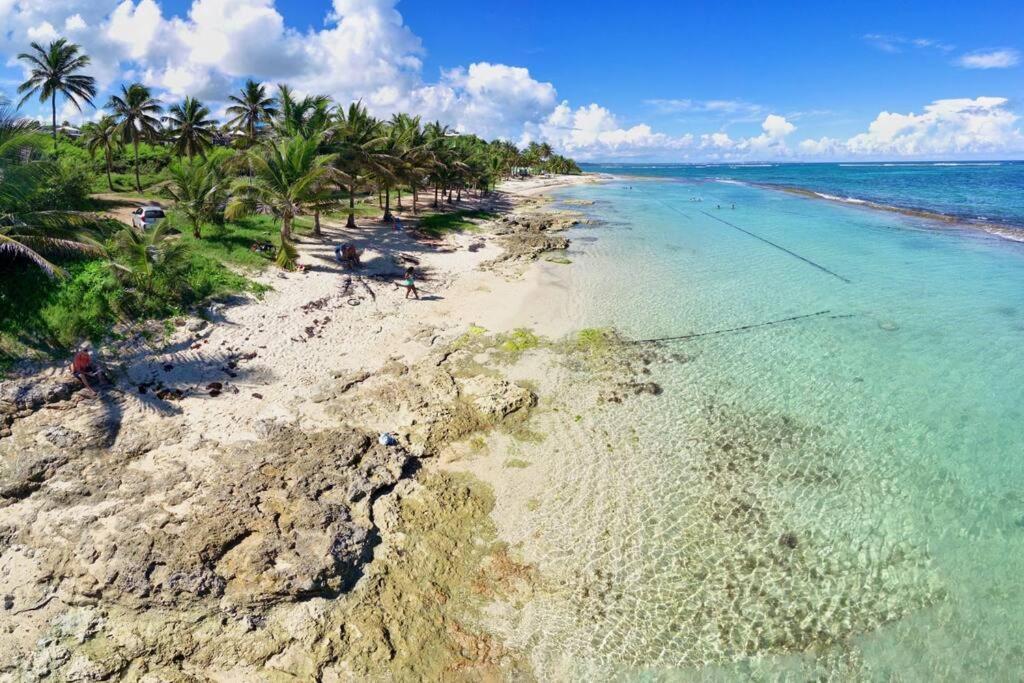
(599, 80)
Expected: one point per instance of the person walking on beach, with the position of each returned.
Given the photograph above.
(410, 283)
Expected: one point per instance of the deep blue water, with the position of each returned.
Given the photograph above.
(990, 191)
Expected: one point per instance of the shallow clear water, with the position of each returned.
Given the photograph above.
(837, 495)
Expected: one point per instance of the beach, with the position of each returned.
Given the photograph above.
(632, 429)
(158, 485)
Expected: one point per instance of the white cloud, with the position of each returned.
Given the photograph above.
(593, 132)
(963, 126)
(991, 59)
(896, 43)
(365, 51)
(491, 100)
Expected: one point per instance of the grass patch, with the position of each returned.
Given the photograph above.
(440, 224)
(51, 315)
(232, 242)
(516, 463)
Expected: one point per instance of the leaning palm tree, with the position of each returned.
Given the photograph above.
(24, 232)
(54, 71)
(136, 112)
(289, 179)
(103, 135)
(197, 192)
(357, 138)
(190, 128)
(252, 109)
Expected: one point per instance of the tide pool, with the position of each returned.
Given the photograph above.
(840, 494)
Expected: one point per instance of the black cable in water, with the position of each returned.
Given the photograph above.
(741, 328)
(779, 247)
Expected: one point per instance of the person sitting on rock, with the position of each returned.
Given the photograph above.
(84, 369)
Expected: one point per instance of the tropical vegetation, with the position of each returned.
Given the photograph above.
(67, 273)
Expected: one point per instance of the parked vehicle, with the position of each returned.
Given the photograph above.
(146, 217)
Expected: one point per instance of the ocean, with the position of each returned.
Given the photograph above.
(832, 482)
(972, 191)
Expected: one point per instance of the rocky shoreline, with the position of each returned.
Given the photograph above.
(139, 544)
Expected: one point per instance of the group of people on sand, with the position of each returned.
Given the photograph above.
(349, 256)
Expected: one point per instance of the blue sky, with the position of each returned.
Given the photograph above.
(657, 80)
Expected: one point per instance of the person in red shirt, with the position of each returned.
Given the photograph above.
(82, 367)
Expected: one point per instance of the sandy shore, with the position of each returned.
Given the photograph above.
(107, 497)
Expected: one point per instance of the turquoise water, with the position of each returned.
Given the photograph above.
(840, 495)
(990, 191)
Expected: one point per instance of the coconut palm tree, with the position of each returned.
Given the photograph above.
(412, 160)
(103, 135)
(24, 232)
(438, 141)
(252, 109)
(356, 141)
(197, 191)
(309, 117)
(190, 127)
(136, 112)
(54, 71)
(290, 178)
(143, 257)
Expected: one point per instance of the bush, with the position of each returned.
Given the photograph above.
(40, 311)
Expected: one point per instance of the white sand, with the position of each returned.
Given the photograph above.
(290, 365)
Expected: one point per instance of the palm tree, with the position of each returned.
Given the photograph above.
(356, 142)
(54, 70)
(390, 164)
(437, 135)
(309, 117)
(103, 135)
(197, 192)
(252, 109)
(290, 178)
(190, 128)
(136, 112)
(28, 233)
(143, 256)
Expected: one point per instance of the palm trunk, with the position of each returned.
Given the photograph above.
(138, 182)
(399, 191)
(53, 107)
(286, 229)
(316, 222)
(351, 206)
(197, 230)
(415, 196)
(435, 195)
(110, 181)
(387, 205)
(458, 197)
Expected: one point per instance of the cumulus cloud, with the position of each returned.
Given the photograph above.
(593, 132)
(990, 59)
(365, 51)
(962, 126)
